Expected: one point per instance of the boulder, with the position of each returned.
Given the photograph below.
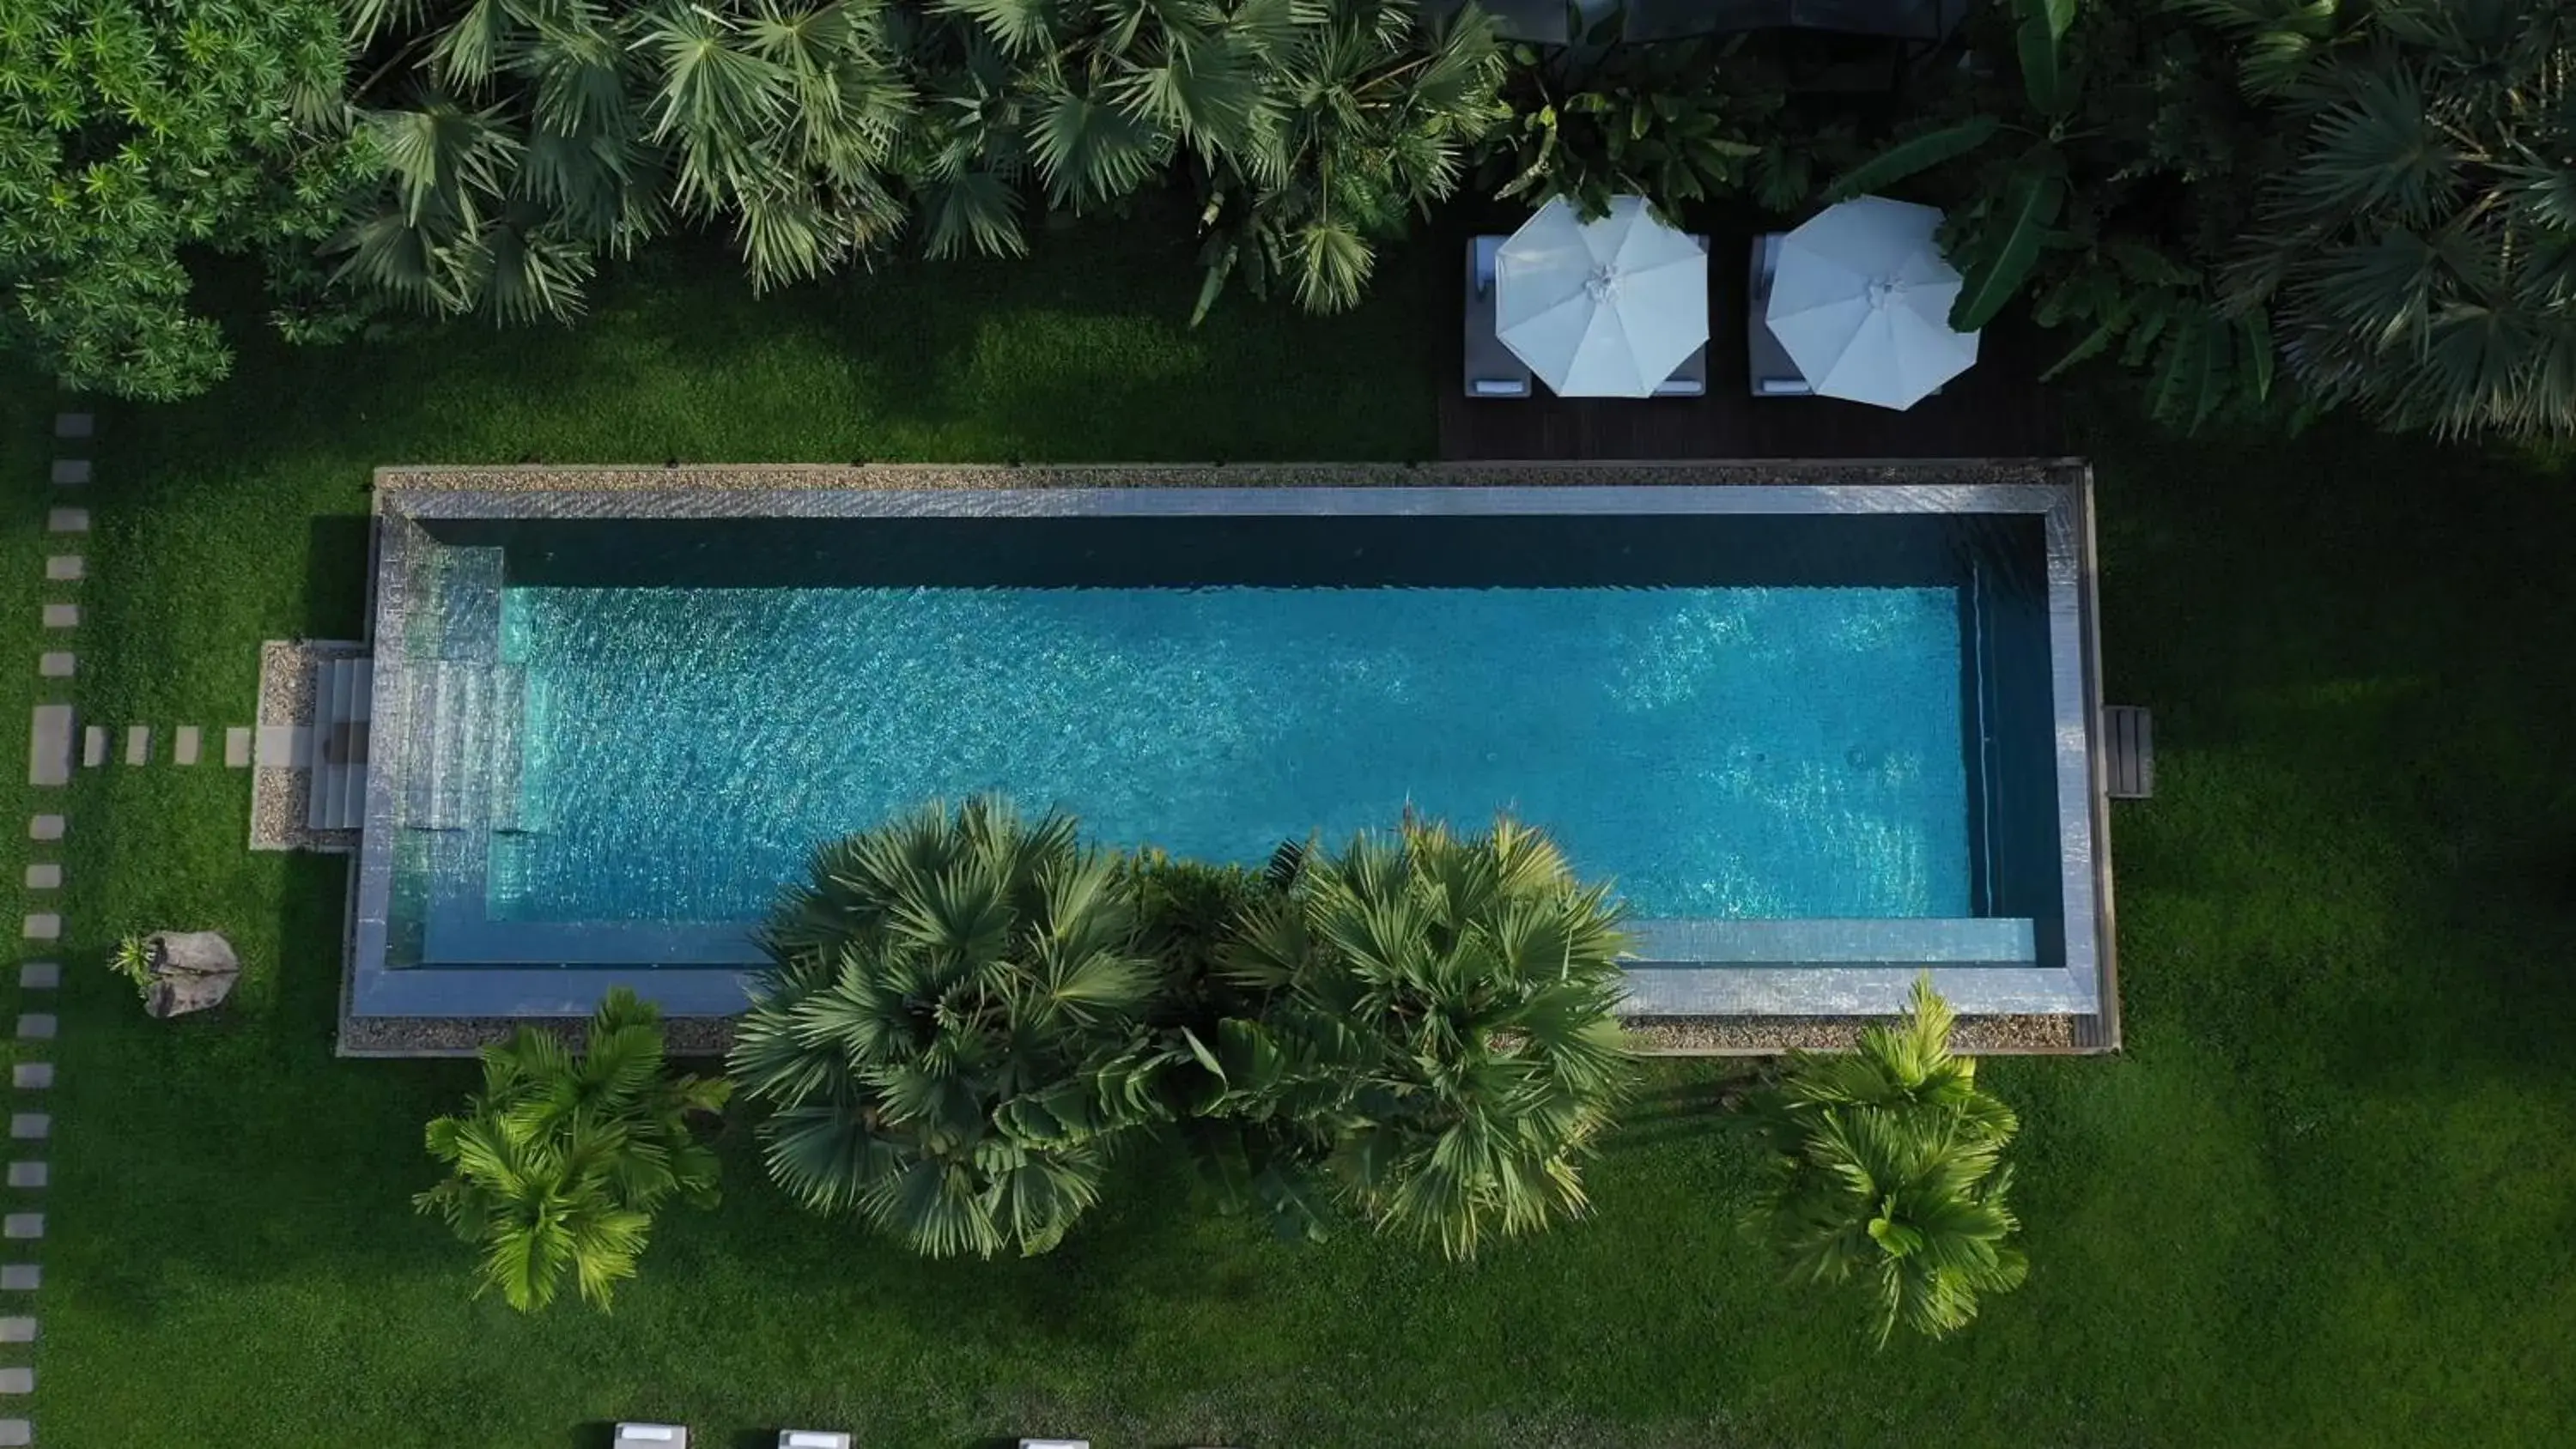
(191, 971)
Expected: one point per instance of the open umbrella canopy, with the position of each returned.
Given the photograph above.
(1861, 302)
(1601, 309)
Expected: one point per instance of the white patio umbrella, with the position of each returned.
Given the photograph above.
(1861, 302)
(1601, 309)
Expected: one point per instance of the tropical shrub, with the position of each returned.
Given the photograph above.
(559, 1164)
(2419, 245)
(1888, 1167)
(1438, 1041)
(523, 139)
(132, 962)
(1375, 108)
(133, 132)
(1674, 122)
(952, 1034)
(2099, 171)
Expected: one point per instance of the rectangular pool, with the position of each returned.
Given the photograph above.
(1812, 734)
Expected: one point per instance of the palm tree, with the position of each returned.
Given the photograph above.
(1443, 1028)
(1374, 107)
(1889, 1165)
(522, 139)
(952, 1032)
(2419, 248)
(558, 1165)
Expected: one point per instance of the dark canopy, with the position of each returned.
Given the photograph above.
(1548, 23)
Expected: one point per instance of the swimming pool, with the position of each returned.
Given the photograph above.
(1811, 733)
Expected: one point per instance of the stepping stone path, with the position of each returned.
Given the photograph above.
(50, 736)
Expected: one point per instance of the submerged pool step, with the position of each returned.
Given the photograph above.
(464, 745)
(1893, 941)
(468, 590)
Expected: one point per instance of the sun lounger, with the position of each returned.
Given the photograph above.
(1055, 1444)
(1493, 370)
(650, 1436)
(1691, 378)
(1774, 374)
(812, 1439)
(1688, 380)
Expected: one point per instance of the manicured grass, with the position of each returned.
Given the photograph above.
(2323, 1199)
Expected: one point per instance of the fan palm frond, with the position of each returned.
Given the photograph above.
(956, 1078)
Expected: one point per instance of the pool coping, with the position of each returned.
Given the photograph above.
(2057, 489)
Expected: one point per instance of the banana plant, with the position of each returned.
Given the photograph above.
(1997, 239)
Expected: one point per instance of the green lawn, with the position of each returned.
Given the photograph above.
(2324, 1198)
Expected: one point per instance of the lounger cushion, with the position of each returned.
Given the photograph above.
(1491, 370)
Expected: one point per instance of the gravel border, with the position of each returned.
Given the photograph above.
(1749, 1036)
(280, 796)
(706, 478)
(463, 1036)
(1716, 1036)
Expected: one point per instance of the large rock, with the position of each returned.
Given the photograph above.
(191, 971)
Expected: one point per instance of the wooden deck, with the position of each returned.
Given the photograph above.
(1996, 409)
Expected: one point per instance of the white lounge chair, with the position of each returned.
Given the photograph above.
(650, 1436)
(1774, 373)
(812, 1439)
(1493, 370)
(1055, 1444)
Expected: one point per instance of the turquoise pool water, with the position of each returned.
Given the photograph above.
(1760, 751)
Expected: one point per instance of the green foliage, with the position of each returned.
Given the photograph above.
(1674, 122)
(952, 1036)
(2094, 176)
(1440, 1038)
(1888, 1166)
(131, 133)
(558, 1165)
(523, 140)
(1376, 107)
(2419, 246)
(132, 960)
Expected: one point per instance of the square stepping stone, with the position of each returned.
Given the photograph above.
(29, 1174)
(31, 1076)
(17, 1330)
(44, 877)
(283, 747)
(55, 664)
(24, 1227)
(42, 926)
(49, 745)
(93, 747)
(17, 1381)
(62, 616)
(21, 1277)
(17, 1433)
(30, 1126)
(66, 520)
(71, 472)
(138, 744)
(237, 748)
(75, 425)
(63, 568)
(36, 1026)
(45, 827)
(40, 975)
(185, 745)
